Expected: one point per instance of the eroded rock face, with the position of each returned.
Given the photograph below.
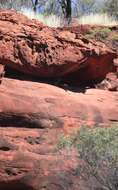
(110, 82)
(38, 105)
(32, 48)
(1, 72)
(33, 164)
(33, 116)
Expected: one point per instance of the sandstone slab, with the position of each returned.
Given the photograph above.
(39, 105)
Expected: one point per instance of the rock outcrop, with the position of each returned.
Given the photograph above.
(33, 116)
(28, 161)
(38, 105)
(32, 48)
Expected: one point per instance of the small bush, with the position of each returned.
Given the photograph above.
(103, 33)
(98, 152)
(99, 33)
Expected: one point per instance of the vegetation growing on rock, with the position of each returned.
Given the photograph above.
(98, 153)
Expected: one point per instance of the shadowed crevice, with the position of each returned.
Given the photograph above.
(14, 186)
(34, 120)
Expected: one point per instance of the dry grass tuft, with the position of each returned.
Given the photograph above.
(51, 20)
(98, 19)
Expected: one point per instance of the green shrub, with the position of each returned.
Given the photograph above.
(98, 151)
(99, 34)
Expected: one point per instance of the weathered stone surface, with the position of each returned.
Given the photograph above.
(93, 32)
(30, 164)
(33, 116)
(1, 72)
(28, 46)
(28, 161)
(110, 82)
(38, 105)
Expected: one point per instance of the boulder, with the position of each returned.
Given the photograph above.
(34, 49)
(39, 105)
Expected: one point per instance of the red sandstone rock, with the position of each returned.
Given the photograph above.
(116, 62)
(109, 83)
(34, 115)
(28, 157)
(32, 48)
(37, 105)
(1, 72)
(24, 166)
